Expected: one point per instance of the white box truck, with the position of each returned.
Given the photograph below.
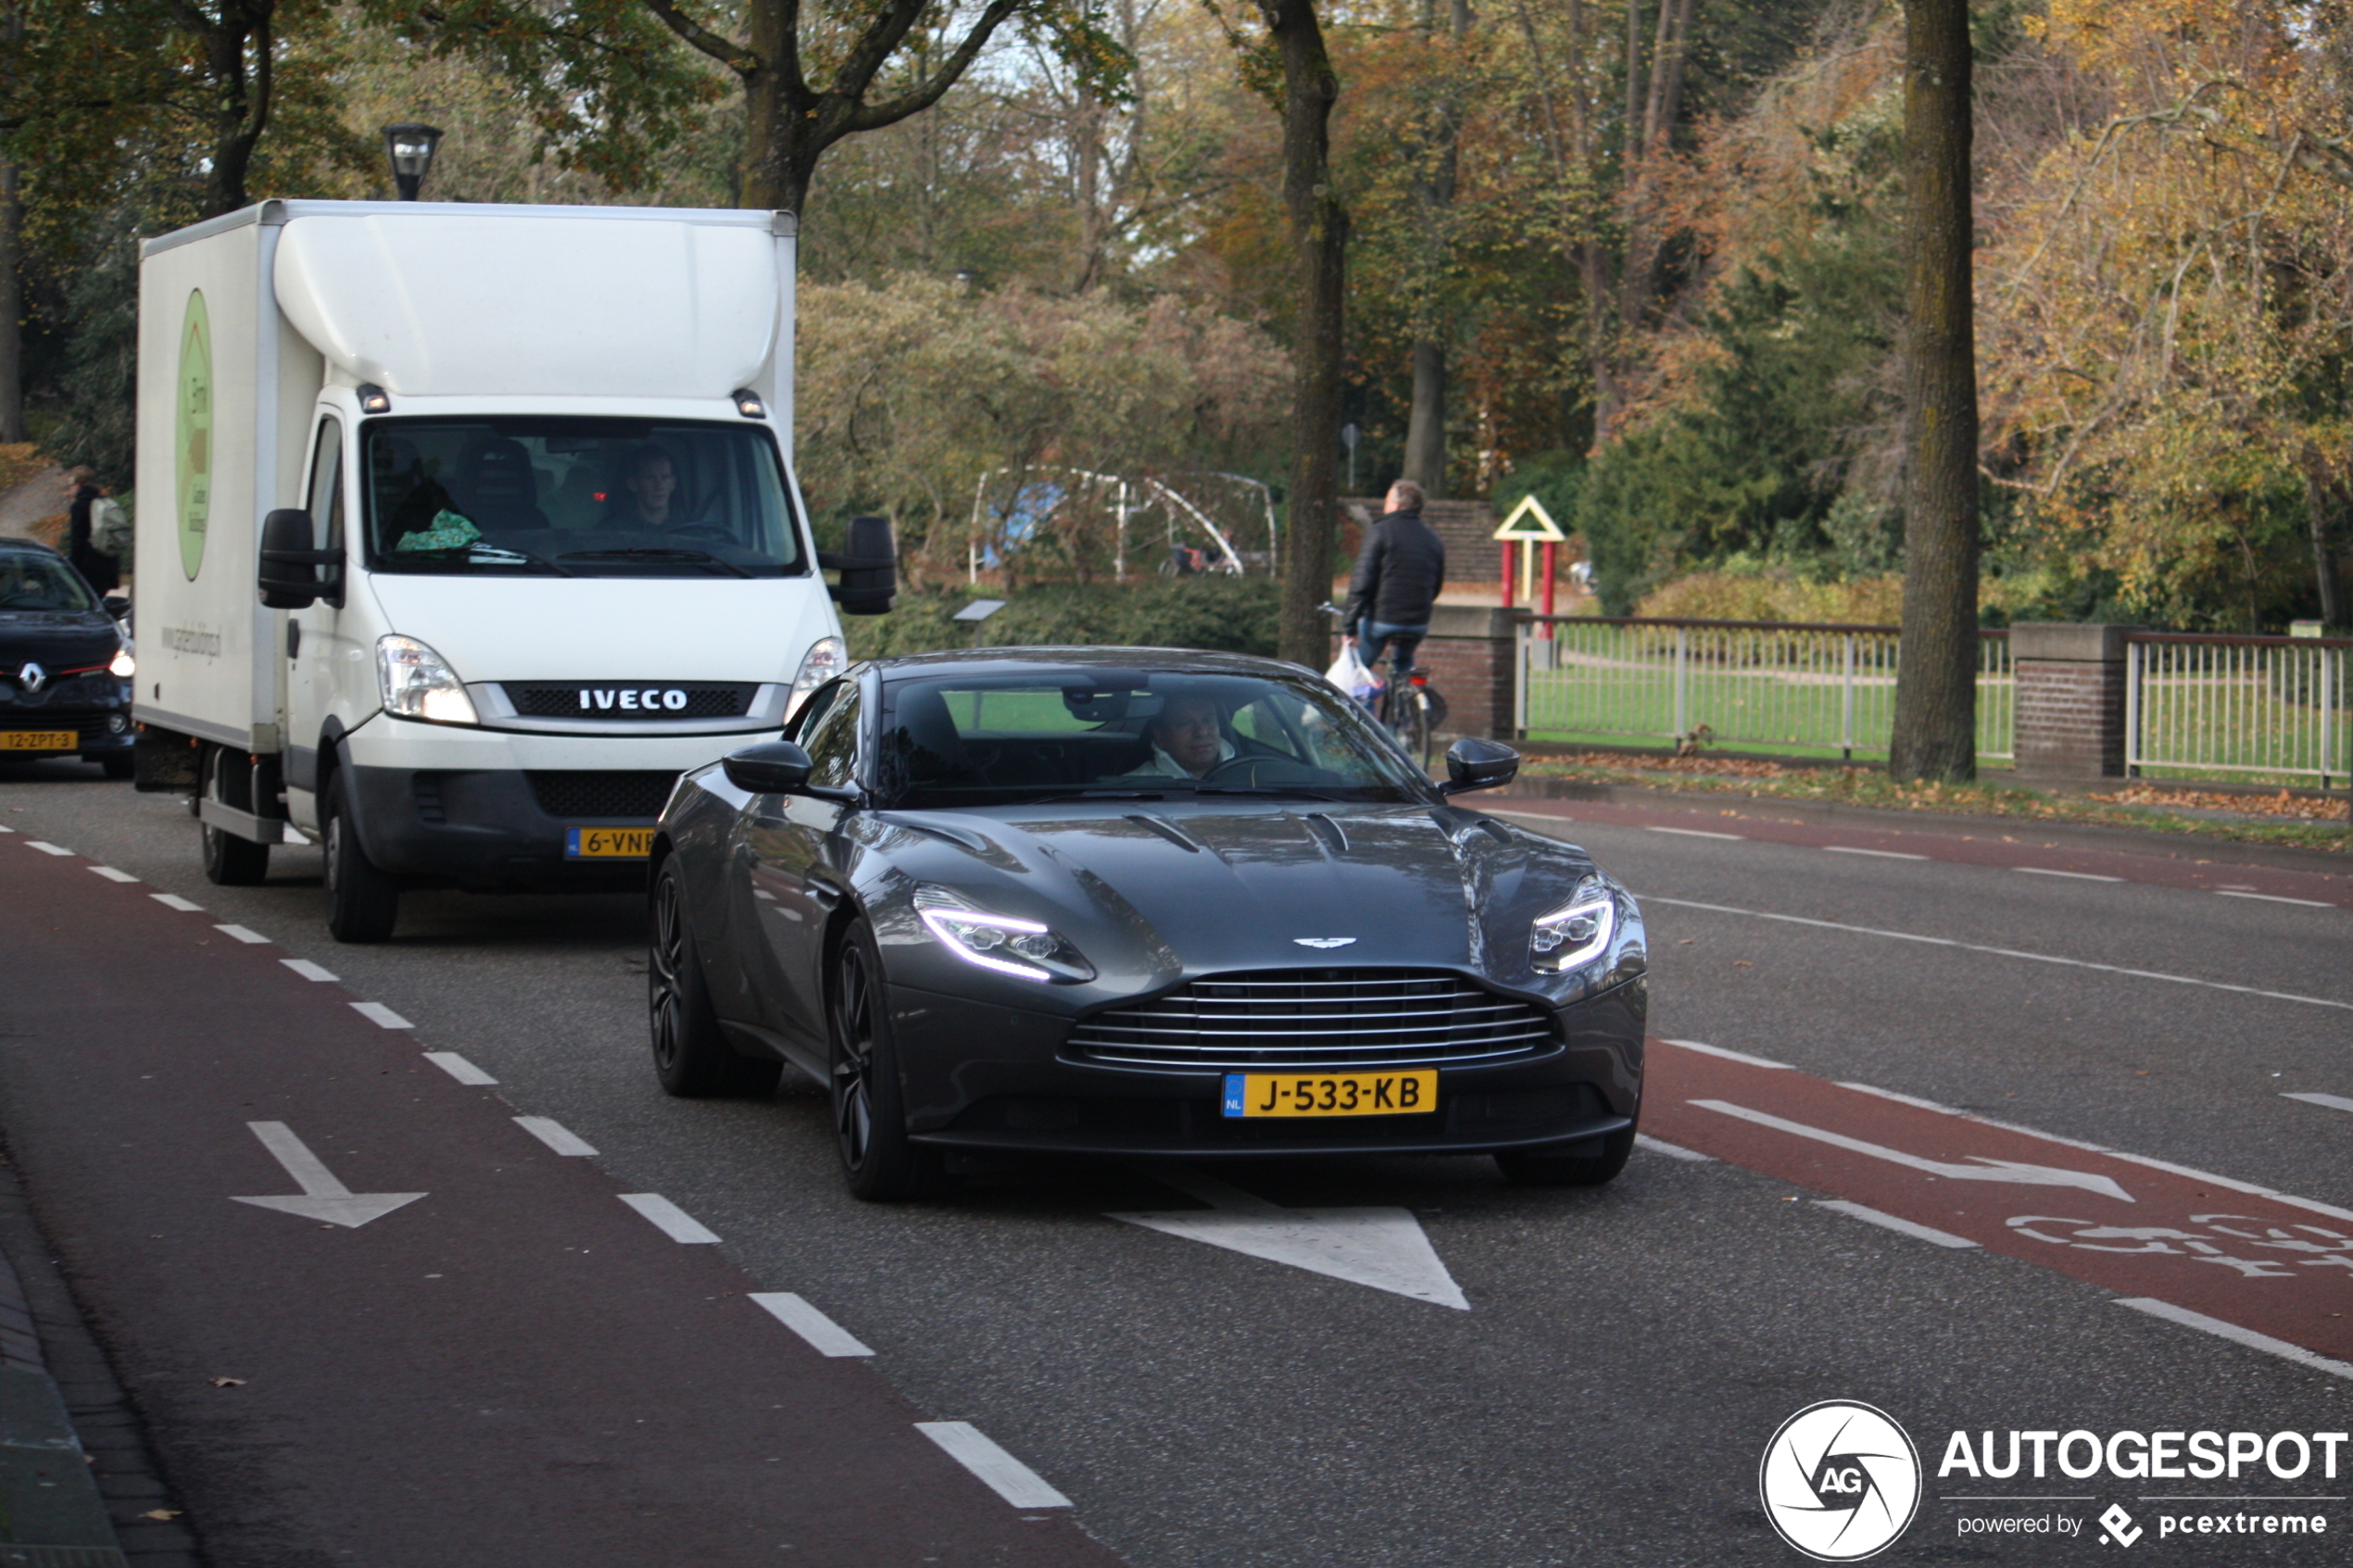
(467, 530)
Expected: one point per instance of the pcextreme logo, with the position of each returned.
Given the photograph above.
(1840, 1481)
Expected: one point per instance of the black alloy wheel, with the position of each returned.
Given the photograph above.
(1542, 1168)
(230, 862)
(363, 900)
(692, 1057)
(880, 1162)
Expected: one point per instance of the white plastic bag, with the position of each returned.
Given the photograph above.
(1351, 674)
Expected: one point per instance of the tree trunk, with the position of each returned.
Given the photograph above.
(11, 310)
(1426, 423)
(1319, 251)
(1935, 718)
(2321, 500)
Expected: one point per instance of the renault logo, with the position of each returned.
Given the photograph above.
(31, 677)
(1322, 941)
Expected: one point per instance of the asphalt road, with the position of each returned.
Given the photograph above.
(1626, 1354)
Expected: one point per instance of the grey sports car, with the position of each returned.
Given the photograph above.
(1133, 901)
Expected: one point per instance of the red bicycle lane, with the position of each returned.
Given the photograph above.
(2269, 1264)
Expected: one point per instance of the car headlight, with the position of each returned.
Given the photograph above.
(827, 656)
(1577, 932)
(1000, 942)
(123, 666)
(418, 683)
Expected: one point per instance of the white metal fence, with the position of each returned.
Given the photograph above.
(2206, 705)
(1790, 687)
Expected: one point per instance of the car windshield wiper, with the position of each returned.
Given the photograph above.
(647, 552)
(1309, 791)
(1096, 795)
(478, 555)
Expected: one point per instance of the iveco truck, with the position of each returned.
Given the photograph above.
(464, 531)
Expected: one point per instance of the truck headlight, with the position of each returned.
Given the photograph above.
(1575, 934)
(827, 657)
(1021, 947)
(418, 683)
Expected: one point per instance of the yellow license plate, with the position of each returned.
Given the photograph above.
(608, 844)
(38, 740)
(1330, 1093)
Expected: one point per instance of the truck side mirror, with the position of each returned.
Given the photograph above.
(869, 568)
(1472, 763)
(290, 575)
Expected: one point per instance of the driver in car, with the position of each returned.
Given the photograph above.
(1185, 738)
(651, 481)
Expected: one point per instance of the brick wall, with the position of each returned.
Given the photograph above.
(2070, 700)
(1472, 555)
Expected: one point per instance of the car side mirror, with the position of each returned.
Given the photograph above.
(776, 767)
(1472, 763)
(869, 568)
(291, 577)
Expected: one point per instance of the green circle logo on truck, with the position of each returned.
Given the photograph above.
(195, 433)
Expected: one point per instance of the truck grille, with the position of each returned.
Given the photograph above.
(1315, 1019)
(579, 700)
(602, 795)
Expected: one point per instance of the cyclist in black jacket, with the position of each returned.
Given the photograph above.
(1399, 574)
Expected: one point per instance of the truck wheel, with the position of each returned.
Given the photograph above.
(230, 862)
(692, 1057)
(362, 901)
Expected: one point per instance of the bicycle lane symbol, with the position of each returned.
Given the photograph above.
(2281, 1249)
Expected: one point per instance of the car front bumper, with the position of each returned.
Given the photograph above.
(982, 1077)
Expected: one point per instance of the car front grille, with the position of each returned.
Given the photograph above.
(602, 795)
(1313, 1019)
(581, 699)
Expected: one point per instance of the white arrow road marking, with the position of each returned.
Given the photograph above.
(323, 1198)
(1382, 1247)
(2008, 1170)
(2334, 1102)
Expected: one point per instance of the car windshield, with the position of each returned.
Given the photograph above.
(40, 582)
(579, 498)
(1078, 732)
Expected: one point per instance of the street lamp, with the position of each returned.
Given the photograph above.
(410, 146)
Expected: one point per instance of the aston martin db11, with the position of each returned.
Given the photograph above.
(1133, 901)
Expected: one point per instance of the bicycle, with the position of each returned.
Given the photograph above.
(1408, 705)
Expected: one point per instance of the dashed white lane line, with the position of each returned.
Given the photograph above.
(2275, 899)
(110, 873)
(824, 1335)
(555, 1134)
(307, 969)
(2334, 1102)
(1672, 1150)
(669, 1219)
(45, 848)
(2237, 1334)
(1890, 1222)
(2054, 871)
(1729, 1055)
(241, 933)
(1881, 854)
(174, 902)
(1003, 1474)
(1696, 832)
(381, 1015)
(2001, 952)
(458, 1067)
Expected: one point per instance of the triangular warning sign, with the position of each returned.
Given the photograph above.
(1531, 522)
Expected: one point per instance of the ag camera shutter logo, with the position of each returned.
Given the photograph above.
(1840, 1481)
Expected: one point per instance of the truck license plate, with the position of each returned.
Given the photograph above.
(38, 740)
(1330, 1093)
(608, 844)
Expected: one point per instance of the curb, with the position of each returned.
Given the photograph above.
(76, 1472)
(2080, 835)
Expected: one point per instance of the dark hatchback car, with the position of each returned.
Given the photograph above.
(65, 669)
(1138, 902)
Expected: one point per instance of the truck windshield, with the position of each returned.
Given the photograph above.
(579, 498)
